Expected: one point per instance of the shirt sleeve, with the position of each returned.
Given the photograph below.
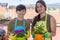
(27, 25)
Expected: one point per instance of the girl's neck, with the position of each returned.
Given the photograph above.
(42, 15)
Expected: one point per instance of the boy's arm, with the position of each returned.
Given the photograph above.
(10, 26)
(28, 29)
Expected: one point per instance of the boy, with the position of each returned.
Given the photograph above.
(19, 27)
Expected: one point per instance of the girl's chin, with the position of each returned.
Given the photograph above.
(40, 13)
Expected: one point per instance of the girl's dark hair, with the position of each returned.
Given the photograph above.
(20, 7)
(42, 2)
(37, 18)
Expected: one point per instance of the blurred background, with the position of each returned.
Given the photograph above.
(7, 12)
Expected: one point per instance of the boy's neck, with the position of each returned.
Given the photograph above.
(20, 18)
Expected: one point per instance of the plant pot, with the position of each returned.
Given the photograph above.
(38, 37)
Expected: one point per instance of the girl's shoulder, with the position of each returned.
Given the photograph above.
(50, 16)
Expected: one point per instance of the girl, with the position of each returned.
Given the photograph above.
(44, 25)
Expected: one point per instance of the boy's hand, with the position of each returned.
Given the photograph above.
(28, 33)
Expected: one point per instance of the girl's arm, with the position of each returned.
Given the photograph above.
(53, 26)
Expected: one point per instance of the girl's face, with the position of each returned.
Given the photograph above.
(40, 8)
(21, 13)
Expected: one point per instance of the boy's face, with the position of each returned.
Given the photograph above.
(21, 13)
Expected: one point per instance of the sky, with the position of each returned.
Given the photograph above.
(26, 2)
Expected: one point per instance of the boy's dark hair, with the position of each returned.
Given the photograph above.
(20, 7)
(42, 2)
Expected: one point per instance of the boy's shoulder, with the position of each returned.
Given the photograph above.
(27, 21)
(12, 20)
